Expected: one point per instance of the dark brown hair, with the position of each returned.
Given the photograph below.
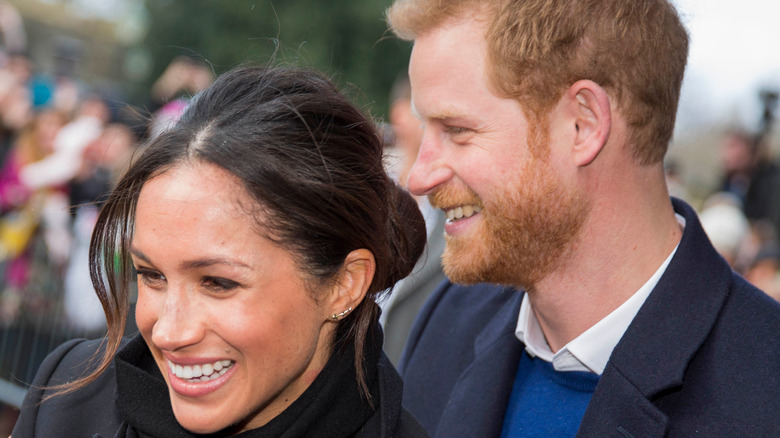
(313, 163)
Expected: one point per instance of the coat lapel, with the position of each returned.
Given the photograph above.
(618, 409)
(655, 351)
(496, 355)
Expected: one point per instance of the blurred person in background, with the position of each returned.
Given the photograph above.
(16, 106)
(104, 160)
(764, 271)
(752, 179)
(726, 225)
(401, 307)
(750, 173)
(26, 208)
(14, 37)
(66, 160)
(183, 78)
(737, 159)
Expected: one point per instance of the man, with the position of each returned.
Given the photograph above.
(546, 123)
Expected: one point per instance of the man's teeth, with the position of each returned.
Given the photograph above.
(201, 373)
(462, 212)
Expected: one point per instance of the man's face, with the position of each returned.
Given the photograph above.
(511, 217)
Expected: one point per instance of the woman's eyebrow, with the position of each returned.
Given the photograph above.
(210, 261)
(139, 255)
(197, 263)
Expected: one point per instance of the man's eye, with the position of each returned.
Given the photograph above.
(219, 284)
(456, 130)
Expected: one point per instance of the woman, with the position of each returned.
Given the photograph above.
(262, 228)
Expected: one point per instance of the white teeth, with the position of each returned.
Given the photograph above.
(462, 212)
(202, 372)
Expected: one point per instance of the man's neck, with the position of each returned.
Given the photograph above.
(623, 243)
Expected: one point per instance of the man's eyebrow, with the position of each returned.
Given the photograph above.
(448, 115)
(452, 118)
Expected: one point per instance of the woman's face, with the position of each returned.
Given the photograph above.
(224, 311)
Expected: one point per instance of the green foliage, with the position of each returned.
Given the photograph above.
(347, 39)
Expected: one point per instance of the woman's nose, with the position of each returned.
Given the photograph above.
(179, 322)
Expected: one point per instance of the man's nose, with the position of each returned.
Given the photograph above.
(430, 169)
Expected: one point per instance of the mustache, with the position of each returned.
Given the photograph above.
(449, 197)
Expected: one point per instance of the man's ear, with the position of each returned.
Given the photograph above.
(352, 284)
(592, 117)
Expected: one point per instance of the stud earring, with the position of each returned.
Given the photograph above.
(338, 316)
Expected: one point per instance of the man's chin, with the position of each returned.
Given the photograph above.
(465, 264)
(472, 261)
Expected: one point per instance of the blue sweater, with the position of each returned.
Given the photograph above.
(545, 402)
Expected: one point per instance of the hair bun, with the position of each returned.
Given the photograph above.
(407, 234)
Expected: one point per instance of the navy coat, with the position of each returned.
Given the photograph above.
(701, 358)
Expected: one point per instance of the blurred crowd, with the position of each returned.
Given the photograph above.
(63, 144)
(743, 218)
(60, 147)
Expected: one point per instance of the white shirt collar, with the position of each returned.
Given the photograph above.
(591, 350)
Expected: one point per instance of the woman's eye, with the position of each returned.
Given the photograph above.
(150, 277)
(219, 284)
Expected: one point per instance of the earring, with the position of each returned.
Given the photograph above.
(338, 316)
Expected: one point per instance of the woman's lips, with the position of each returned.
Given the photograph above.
(199, 379)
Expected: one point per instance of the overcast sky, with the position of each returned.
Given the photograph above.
(735, 51)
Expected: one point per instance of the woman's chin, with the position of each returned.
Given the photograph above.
(200, 420)
(199, 426)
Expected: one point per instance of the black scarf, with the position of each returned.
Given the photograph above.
(332, 406)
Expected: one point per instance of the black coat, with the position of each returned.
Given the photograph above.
(131, 400)
(701, 358)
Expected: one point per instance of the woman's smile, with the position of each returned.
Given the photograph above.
(200, 380)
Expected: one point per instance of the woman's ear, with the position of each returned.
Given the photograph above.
(592, 118)
(352, 284)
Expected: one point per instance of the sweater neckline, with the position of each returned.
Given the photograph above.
(581, 381)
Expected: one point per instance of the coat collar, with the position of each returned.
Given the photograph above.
(669, 329)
